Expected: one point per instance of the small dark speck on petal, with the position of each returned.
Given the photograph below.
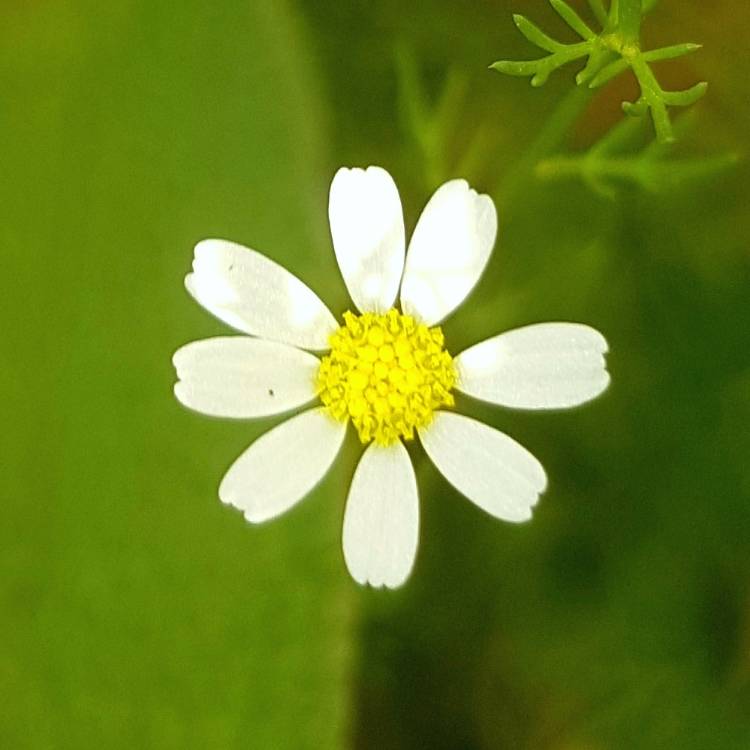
(270, 392)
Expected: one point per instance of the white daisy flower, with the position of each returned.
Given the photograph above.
(387, 370)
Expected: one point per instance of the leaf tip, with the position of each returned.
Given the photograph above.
(501, 66)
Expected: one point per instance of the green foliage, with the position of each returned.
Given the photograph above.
(608, 53)
(137, 610)
(612, 163)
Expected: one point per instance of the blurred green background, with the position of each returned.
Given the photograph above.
(137, 611)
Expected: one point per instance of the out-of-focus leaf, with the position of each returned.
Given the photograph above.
(137, 611)
(612, 162)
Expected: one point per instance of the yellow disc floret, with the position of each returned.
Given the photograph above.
(387, 373)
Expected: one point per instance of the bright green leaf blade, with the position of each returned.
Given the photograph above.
(668, 53)
(598, 9)
(687, 97)
(138, 611)
(572, 19)
(535, 35)
(628, 14)
(516, 68)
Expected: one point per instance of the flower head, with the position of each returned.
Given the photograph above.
(386, 370)
(387, 374)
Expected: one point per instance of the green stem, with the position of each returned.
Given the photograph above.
(652, 94)
(629, 20)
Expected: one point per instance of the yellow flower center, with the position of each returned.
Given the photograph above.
(387, 373)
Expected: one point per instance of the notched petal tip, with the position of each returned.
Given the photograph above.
(176, 359)
(367, 231)
(460, 183)
(190, 284)
(378, 585)
(211, 244)
(250, 517)
(260, 482)
(237, 504)
(178, 389)
(361, 170)
(457, 182)
(554, 365)
(380, 533)
(257, 296)
(239, 377)
(605, 383)
(203, 252)
(596, 339)
(491, 469)
(346, 178)
(522, 518)
(181, 357)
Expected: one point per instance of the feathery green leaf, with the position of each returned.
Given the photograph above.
(668, 53)
(535, 35)
(598, 9)
(572, 19)
(612, 51)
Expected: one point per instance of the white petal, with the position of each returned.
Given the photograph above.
(544, 366)
(283, 465)
(367, 227)
(490, 468)
(381, 523)
(448, 251)
(238, 376)
(257, 296)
